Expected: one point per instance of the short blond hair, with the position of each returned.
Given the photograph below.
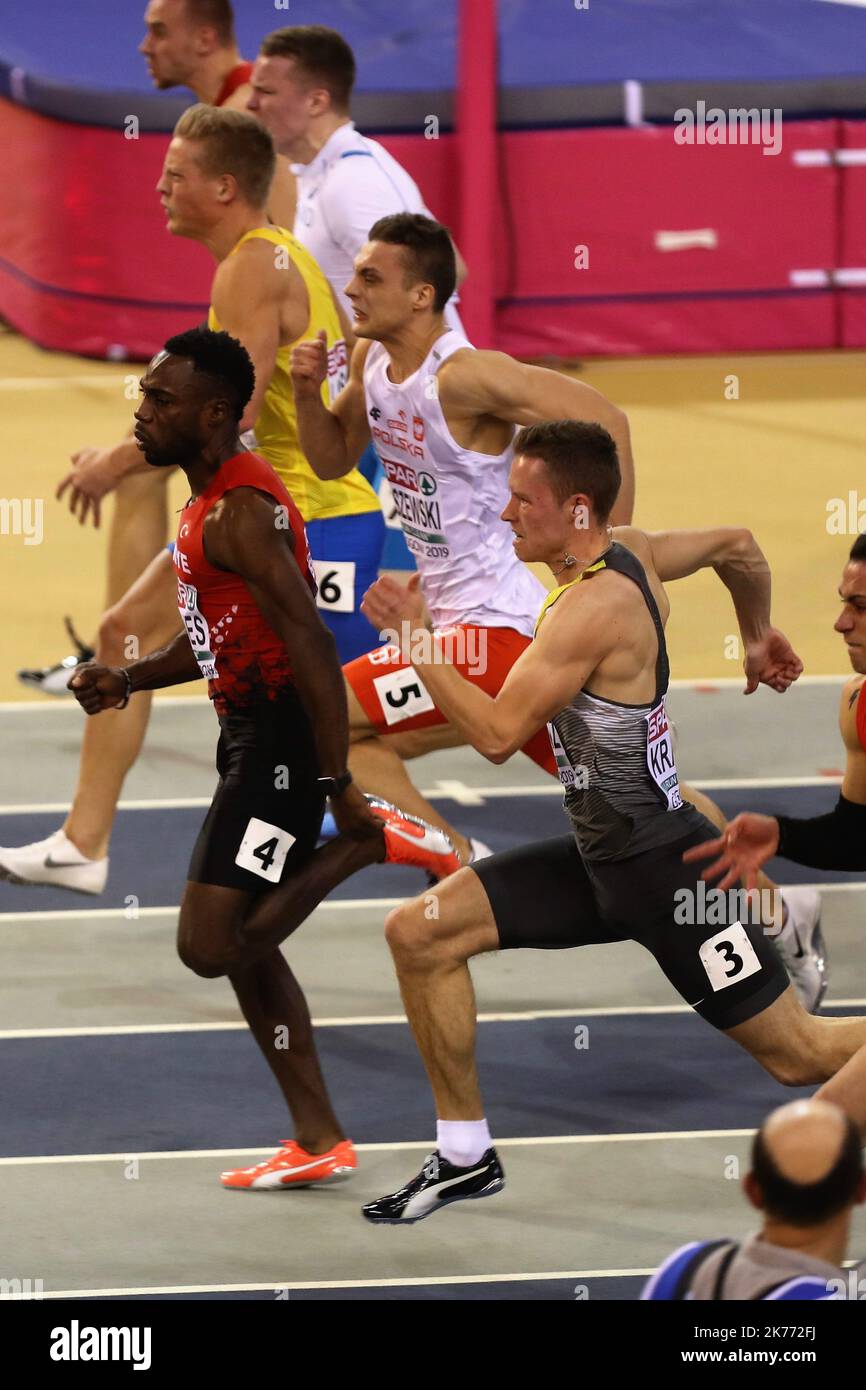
(231, 142)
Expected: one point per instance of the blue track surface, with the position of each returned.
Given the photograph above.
(213, 1090)
(151, 849)
(518, 1290)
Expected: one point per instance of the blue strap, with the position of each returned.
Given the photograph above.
(360, 154)
(665, 1280)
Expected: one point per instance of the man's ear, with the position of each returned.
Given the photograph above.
(218, 412)
(752, 1189)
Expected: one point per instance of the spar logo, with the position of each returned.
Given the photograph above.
(401, 476)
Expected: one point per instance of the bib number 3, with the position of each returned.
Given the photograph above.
(729, 957)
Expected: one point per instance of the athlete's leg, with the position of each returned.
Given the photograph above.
(376, 763)
(273, 1004)
(392, 717)
(228, 931)
(432, 939)
(112, 742)
(224, 930)
(538, 896)
(799, 1049)
(139, 525)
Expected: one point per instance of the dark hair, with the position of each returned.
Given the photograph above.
(217, 14)
(322, 53)
(231, 142)
(579, 457)
(220, 357)
(809, 1203)
(429, 251)
(858, 549)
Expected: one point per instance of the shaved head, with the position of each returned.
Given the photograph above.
(807, 1164)
(805, 1139)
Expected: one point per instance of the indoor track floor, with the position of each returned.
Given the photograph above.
(127, 1084)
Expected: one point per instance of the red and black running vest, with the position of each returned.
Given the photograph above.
(243, 659)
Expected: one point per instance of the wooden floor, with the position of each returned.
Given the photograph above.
(773, 459)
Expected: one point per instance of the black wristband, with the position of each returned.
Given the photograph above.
(125, 701)
(335, 786)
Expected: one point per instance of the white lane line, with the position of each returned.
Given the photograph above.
(700, 684)
(84, 914)
(468, 795)
(63, 704)
(371, 1020)
(39, 1160)
(416, 1282)
(88, 914)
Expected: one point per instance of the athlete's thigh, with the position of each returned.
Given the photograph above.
(150, 604)
(783, 1028)
(720, 961)
(210, 916)
(541, 896)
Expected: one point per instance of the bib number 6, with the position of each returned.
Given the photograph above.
(336, 583)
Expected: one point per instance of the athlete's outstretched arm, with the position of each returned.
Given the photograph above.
(492, 383)
(545, 677)
(332, 440)
(836, 840)
(98, 687)
(740, 563)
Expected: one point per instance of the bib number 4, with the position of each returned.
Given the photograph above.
(263, 849)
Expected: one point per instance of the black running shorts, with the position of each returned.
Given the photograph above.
(264, 820)
(546, 896)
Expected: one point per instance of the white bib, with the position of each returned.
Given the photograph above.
(660, 756)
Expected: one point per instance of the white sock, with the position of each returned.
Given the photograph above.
(463, 1142)
(69, 850)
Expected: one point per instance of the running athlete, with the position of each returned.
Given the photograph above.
(596, 675)
(269, 293)
(834, 841)
(443, 417)
(301, 92)
(188, 43)
(245, 593)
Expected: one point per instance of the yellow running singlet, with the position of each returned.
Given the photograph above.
(277, 427)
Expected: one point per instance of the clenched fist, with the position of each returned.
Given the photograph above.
(310, 365)
(98, 687)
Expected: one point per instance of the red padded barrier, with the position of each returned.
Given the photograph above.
(743, 222)
(85, 257)
(852, 236)
(86, 261)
